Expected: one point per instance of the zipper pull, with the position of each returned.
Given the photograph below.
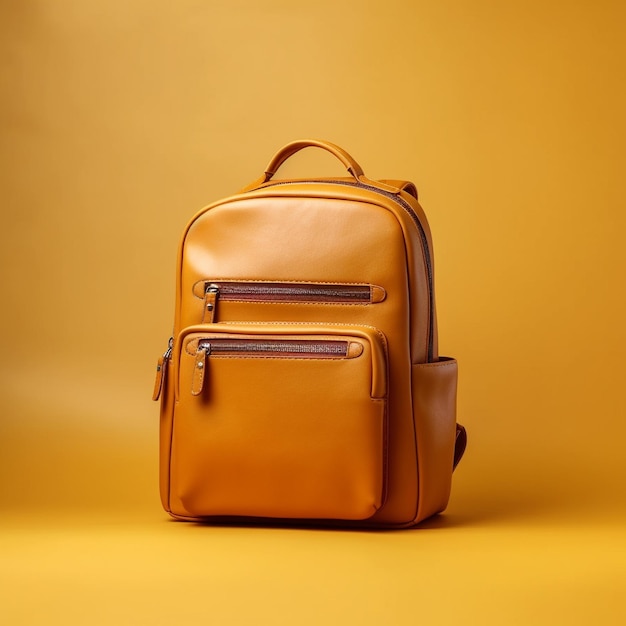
(161, 370)
(199, 369)
(211, 294)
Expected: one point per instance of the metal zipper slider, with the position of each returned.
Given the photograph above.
(199, 369)
(211, 294)
(161, 370)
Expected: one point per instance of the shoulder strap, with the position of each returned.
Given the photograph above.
(403, 185)
(459, 445)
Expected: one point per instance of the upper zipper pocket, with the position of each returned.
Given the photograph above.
(335, 343)
(285, 348)
(213, 291)
(291, 292)
(274, 348)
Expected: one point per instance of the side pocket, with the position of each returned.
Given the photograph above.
(434, 411)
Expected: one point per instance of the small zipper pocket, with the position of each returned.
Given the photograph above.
(212, 291)
(275, 348)
(279, 421)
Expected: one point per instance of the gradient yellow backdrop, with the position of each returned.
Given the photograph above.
(120, 119)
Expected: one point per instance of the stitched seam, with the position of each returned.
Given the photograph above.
(318, 323)
(289, 282)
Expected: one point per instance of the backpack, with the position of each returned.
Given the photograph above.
(303, 382)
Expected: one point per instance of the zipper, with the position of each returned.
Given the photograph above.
(409, 210)
(161, 370)
(276, 292)
(295, 292)
(312, 349)
(267, 348)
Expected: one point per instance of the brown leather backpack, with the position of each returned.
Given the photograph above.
(303, 381)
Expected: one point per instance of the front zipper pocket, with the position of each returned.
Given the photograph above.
(279, 421)
(247, 347)
(273, 292)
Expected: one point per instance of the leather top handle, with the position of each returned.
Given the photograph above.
(354, 169)
(295, 146)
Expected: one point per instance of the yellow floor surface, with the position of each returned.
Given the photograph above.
(142, 568)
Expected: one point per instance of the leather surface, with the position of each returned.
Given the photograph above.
(434, 406)
(348, 162)
(162, 364)
(403, 185)
(322, 232)
(295, 146)
(280, 437)
(296, 215)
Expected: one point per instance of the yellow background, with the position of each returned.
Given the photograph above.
(121, 119)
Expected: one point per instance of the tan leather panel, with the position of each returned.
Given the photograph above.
(161, 368)
(340, 195)
(434, 404)
(250, 240)
(280, 437)
(320, 239)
